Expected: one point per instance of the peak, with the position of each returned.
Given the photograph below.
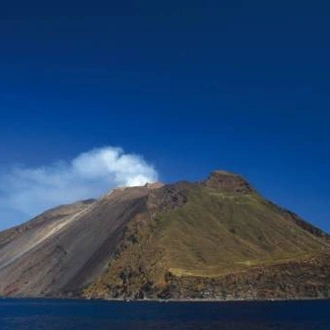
(221, 172)
(223, 175)
(154, 185)
(228, 182)
(133, 189)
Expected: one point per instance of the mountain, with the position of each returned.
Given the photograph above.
(213, 239)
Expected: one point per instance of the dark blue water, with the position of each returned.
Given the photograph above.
(70, 314)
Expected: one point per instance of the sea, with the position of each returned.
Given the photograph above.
(52, 314)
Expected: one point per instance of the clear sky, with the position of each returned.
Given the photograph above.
(190, 86)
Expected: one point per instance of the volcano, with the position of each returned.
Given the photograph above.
(212, 239)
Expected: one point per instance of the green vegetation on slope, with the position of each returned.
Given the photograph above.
(214, 233)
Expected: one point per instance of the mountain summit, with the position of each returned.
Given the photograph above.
(228, 182)
(212, 239)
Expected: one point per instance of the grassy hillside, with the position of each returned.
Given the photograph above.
(201, 231)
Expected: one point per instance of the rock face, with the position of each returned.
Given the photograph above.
(214, 239)
(228, 182)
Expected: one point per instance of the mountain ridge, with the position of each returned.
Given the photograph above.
(183, 240)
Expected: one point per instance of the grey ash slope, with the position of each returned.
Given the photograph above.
(46, 218)
(206, 239)
(65, 247)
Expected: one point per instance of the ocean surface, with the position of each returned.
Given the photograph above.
(34, 314)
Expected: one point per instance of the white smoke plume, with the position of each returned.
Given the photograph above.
(25, 192)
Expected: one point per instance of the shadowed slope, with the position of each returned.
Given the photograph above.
(61, 255)
(43, 219)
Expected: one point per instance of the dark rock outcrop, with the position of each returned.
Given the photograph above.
(228, 182)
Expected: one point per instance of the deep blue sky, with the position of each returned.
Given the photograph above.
(191, 85)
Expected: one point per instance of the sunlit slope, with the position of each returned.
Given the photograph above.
(204, 230)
